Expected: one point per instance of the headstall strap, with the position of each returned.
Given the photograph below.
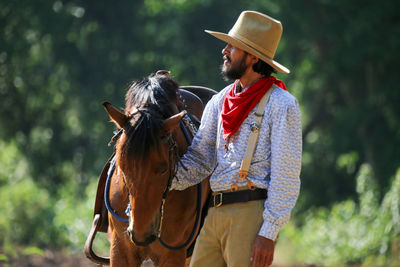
(173, 150)
(187, 120)
(115, 137)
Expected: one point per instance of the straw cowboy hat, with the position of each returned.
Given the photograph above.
(257, 34)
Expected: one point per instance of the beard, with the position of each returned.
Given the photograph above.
(235, 70)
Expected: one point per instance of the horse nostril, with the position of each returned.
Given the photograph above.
(131, 236)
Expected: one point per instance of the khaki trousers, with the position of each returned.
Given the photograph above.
(228, 234)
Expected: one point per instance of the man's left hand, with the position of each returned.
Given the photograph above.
(263, 252)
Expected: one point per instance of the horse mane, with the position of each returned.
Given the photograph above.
(151, 101)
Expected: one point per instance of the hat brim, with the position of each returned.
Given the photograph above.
(238, 43)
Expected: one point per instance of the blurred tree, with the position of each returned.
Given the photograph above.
(344, 59)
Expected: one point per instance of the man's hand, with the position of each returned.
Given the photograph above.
(263, 252)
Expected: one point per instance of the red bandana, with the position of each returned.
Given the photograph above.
(238, 106)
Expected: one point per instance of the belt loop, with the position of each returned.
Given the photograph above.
(220, 200)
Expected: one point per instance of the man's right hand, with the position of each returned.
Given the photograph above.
(263, 252)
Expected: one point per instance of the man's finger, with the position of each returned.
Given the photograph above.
(256, 258)
(271, 259)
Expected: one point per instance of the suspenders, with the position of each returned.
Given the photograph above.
(251, 145)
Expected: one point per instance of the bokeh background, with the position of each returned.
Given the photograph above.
(59, 60)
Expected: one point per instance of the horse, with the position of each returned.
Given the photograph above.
(161, 222)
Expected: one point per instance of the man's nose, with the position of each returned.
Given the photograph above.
(226, 50)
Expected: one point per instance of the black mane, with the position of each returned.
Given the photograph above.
(154, 98)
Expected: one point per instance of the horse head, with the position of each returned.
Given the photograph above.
(147, 151)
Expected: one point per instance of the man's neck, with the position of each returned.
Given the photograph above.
(249, 78)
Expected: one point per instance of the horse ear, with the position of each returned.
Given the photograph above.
(172, 122)
(119, 118)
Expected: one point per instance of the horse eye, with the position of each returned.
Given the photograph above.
(164, 171)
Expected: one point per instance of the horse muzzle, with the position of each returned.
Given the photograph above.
(141, 237)
(149, 239)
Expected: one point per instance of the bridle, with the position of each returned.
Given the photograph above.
(173, 159)
(173, 153)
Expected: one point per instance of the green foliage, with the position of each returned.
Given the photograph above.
(33, 251)
(74, 217)
(366, 232)
(26, 209)
(342, 75)
(30, 217)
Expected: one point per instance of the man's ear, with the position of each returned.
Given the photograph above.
(254, 59)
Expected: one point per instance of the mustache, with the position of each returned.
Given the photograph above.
(226, 57)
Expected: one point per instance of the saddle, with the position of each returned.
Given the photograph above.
(194, 99)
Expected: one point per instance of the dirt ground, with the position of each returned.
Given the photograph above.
(52, 259)
(60, 259)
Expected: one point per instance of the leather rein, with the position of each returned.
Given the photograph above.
(173, 154)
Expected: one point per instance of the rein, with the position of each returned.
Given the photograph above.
(107, 192)
(173, 150)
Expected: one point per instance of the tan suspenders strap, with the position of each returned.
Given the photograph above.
(217, 141)
(251, 145)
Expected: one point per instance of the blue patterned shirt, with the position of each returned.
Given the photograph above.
(275, 165)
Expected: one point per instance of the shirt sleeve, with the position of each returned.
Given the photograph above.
(199, 161)
(284, 184)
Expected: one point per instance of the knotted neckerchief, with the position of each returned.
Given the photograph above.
(237, 106)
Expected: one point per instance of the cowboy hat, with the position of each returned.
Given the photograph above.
(257, 34)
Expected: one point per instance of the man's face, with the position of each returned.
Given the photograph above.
(235, 63)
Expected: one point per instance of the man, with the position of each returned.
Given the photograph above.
(243, 223)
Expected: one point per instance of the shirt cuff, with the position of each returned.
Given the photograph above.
(269, 230)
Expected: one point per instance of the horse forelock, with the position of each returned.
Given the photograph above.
(140, 137)
(152, 100)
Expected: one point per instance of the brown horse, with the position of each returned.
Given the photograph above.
(147, 151)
